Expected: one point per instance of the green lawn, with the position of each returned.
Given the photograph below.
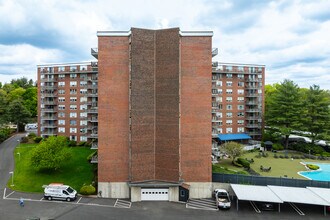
(280, 167)
(75, 172)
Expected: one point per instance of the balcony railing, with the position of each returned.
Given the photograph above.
(49, 110)
(94, 145)
(94, 159)
(253, 110)
(49, 103)
(92, 119)
(91, 94)
(253, 126)
(251, 103)
(94, 66)
(49, 118)
(253, 118)
(48, 94)
(252, 79)
(214, 52)
(92, 135)
(48, 125)
(252, 95)
(92, 111)
(48, 79)
(95, 52)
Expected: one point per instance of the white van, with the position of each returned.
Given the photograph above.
(60, 191)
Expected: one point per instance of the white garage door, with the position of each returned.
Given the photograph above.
(152, 194)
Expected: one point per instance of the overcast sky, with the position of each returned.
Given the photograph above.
(290, 37)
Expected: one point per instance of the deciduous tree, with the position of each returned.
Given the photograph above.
(233, 149)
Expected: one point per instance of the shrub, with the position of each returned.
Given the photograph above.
(245, 163)
(32, 135)
(278, 146)
(275, 156)
(286, 157)
(81, 144)
(281, 156)
(24, 139)
(87, 190)
(302, 157)
(72, 143)
(237, 164)
(312, 166)
(37, 139)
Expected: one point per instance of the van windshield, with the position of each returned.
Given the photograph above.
(70, 190)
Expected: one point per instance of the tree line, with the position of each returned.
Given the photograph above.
(289, 108)
(18, 102)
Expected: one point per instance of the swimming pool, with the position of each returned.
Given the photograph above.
(321, 175)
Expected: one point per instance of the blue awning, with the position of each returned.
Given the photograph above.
(231, 137)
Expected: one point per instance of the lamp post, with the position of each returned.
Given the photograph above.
(12, 178)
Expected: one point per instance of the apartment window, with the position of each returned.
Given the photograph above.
(61, 91)
(220, 106)
(240, 68)
(214, 77)
(240, 91)
(73, 99)
(73, 138)
(83, 83)
(240, 122)
(83, 67)
(61, 122)
(61, 99)
(241, 84)
(61, 114)
(240, 99)
(61, 107)
(219, 91)
(83, 91)
(259, 76)
(229, 68)
(229, 122)
(219, 130)
(229, 83)
(219, 83)
(252, 70)
(229, 114)
(214, 91)
(83, 123)
(73, 107)
(61, 69)
(61, 130)
(229, 130)
(83, 99)
(73, 115)
(240, 107)
(83, 75)
(83, 130)
(61, 76)
(83, 114)
(218, 99)
(83, 107)
(229, 91)
(240, 114)
(229, 107)
(259, 91)
(73, 91)
(219, 114)
(73, 130)
(83, 138)
(61, 84)
(73, 68)
(73, 122)
(240, 129)
(229, 99)
(73, 83)
(73, 75)
(229, 75)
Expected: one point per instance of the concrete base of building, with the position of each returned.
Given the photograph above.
(199, 190)
(118, 190)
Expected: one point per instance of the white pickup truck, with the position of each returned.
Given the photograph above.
(222, 199)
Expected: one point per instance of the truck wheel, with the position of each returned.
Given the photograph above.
(68, 199)
(49, 198)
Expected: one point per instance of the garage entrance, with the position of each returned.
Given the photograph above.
(154, 194)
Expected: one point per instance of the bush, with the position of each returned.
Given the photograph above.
(302, 157)
(281, 156)
(237, 164)
(312, 166)
(245, 163)
(32, 135)
(24, 139)
(72, 143)
(286, 157)
(82, 144)
(275, 156)
(37, 139)
(278, 147)
(87, 190)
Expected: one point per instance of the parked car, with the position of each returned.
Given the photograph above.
(222, 199)
(60, 191)
(266, 206)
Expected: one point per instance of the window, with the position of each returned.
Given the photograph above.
(61, 76)
(61, 107)
(83, 91)
(73, 107)
(229, 107)
(73, 114)
(61, 129)
(240, 129)
(229, 83)
(240, 122)
(229, 122)
(83, 76)
(219, 83)
(73, 130)
(61, 99)
(219, 91)
(73, 75)
(229, 114)
(83, 99)
(83, 122)
(73, 138)
(83, 67)
(219, 114)
(73, 91)
(259, 91)
(240, 114)
(240, 91)
(240, 69)
(214, 91)
(83, 130)
(61, 91)
(241, 84)
(229, 75)
(61, 114)
(83, 107)
(73, 68)
(240, 107)
(83, 83)
(73, 99)
(73, 83)
(229, 130)
(83, 138)
(240, 99)
(218, 99)
(229, 68)
(219, 130)
(73, 122)
(61, 84)
(61, 122)
(83, 114)
(229, 99)
(259, 76)
(61, 68)
(229, 91)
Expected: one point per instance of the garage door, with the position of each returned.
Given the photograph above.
(153, 194)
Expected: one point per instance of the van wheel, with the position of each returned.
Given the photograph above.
(68, 199)
(49, 198)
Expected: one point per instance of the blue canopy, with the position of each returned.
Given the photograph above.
(231, 137)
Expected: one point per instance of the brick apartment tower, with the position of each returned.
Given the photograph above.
(154, 113)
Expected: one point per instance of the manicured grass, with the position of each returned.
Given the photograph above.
(280, 167)
(217, 168)
(75, 172)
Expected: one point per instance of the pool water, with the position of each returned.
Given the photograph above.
(321, 175)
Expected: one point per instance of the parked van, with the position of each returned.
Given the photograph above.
(222, 199)
(60, 191)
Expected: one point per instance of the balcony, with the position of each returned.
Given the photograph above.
(214, 135)
(252, 95)
(48, 118)
(253, 118)
(252, 80)
(49, 79)
(51, 132)
(92, 135)
(92, 119)
(95, 52)
(253, 126)
(251, 103)
(254, 133)
(94, 159)
(94, 78)
(43, 95)
(253, 110)
(91, 94)
(49, 103)
(48, 125)
(214, 52)
(92, 111)
(216, 119)
(48, 110)
(91, 86)
(94, 145)
(94, 66)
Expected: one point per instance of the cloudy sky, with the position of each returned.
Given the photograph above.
(290, 37)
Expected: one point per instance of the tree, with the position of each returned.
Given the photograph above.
(50, 154)
(3, 106)
(283, 110)
(233, 149)
(316, 115)
(30, 100)
(17, 113)
(22, 82)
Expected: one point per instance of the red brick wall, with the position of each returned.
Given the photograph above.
(196, 85)
(113, 117)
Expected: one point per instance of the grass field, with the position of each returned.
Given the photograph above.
(280, 167)
(75, 172)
